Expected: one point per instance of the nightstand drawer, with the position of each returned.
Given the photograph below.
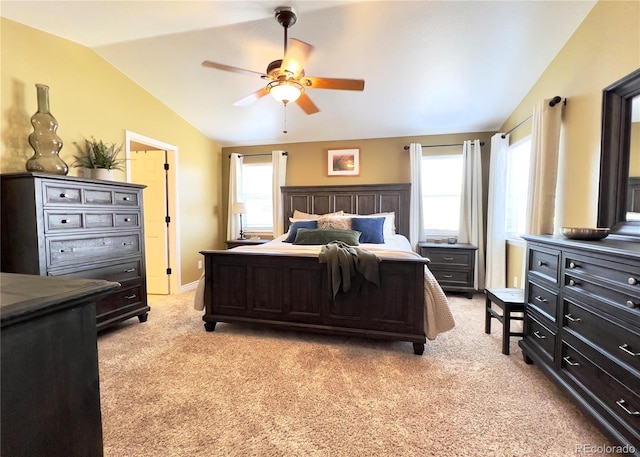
(449, 257)
(452, 277)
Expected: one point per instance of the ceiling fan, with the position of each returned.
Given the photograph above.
(287, 80)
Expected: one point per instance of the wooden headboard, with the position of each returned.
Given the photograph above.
(356, 199)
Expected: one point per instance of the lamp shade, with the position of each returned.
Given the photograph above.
(239, 208)
(285, 91)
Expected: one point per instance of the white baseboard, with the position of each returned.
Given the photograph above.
(188, 287)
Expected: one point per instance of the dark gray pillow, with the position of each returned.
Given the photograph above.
(324, 236)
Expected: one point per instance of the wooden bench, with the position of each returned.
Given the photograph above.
(510, 301)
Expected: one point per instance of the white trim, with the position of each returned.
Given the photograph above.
(188, 287)
(175, 278)
(516, 241)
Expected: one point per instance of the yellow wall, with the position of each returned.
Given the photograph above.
(89, 97)
(382, 160)
(603, 49)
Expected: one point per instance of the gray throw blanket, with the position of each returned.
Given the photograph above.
(344, 261)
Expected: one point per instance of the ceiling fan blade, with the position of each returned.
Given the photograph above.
(252, 97)
(332, 83)
(220, 66)
(296, 56)
(306, 104)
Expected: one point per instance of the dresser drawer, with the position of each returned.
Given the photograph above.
(544, 263)
(127, 219)
(617, 275)
(618, 399)
(124, 301)
(544, 300)
(126, 199)
(98, 196)
(448, 257)
(57, 194)
(540, 336)
(62, 221)
(603, 295)
(76, 250)
(620, 341)
(120, 272)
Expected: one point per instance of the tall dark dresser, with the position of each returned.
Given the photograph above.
(77, 228)
(582, 327)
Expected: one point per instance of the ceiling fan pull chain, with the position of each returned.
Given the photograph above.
(285, 119)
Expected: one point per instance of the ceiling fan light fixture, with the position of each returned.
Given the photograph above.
(285, 91)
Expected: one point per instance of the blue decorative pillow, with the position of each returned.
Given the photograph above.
(293, 230)
(370, 227)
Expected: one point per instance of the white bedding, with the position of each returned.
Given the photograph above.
(437, 317)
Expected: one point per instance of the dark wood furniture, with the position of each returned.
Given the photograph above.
(453, 265)
(50, 402)
(235, 243)
(293, 292)
(615, 155)
(509, 301)
(582, 327)
(77, 228)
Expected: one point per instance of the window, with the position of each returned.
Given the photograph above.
(256, 193)
(517, 188)
(441, 187)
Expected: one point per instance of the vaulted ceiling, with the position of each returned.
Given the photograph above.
(431, 67)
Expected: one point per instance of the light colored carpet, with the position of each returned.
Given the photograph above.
(168, 388)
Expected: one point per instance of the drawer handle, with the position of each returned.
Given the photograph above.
(573, 265)
(65, 221)
(573, 282)
(621, 403)
(63, 195)
(541, 263)
(127, 243)
(537, 335)
(632, 281)
(625, 348)
(68, 250)
(631, 304)
(130, 270)
(131, 297)
(540, 299)
(447, 258)
(569, 362)
(126, 199)
(572, 319)
(127, 219)
(447, 276)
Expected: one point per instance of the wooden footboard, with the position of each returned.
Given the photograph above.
(293, 292)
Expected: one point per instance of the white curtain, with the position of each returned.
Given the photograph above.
(416, 221)
(279, 163)
(471, 228)
(545, 143)
(496, 206)
(235, 195)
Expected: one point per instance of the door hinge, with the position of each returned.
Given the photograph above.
(167, 219)
(166, 166)
(168, 271)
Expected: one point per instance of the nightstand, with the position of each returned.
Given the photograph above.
(235, 243)
(453, 265)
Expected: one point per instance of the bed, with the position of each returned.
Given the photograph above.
(286, 286)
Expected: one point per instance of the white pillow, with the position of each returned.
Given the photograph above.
(299, 215)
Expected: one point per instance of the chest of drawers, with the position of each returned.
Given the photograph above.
(77, 228)
(582, 327)
(453, 265)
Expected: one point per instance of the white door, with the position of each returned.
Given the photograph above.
(147, 167)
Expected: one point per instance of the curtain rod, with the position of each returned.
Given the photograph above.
(284, 153)
(406, 148)
(553, 102)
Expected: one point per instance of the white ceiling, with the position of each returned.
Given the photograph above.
(431, 67)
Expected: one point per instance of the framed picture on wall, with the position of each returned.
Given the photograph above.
(343, 162)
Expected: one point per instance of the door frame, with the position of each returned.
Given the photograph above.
(132, 142)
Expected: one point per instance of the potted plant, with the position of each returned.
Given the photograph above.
(99, 158)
